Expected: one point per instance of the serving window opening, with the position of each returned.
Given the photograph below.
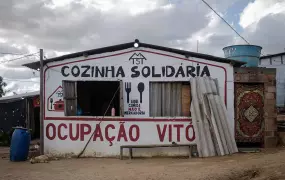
(93, 98)
(170, 99)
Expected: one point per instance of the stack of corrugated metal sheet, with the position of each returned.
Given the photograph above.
(210, 119)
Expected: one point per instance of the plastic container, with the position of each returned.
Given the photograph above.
(20, 144)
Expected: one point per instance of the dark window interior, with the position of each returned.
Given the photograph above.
(93, 97)
(37, 122)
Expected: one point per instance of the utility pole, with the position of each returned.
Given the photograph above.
(41, 102)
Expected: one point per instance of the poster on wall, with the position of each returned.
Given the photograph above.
(134, 98)
(55, 100)
(36, 101)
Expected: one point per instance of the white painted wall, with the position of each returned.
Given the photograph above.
(276, 62)
(58, 127)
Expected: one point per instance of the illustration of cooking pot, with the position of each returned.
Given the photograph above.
(58, 105)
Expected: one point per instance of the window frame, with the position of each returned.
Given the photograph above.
(182, 83)
(121, 93)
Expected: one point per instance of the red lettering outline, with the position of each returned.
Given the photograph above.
(178, 127)
(122, 133)
(187, 133)
(47, 131)
(83, 132)
(72, 138)
(98, 133)
(161, 135)
(137, 132)
(59, 131)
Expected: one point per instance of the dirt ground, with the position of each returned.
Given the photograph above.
(260, 166)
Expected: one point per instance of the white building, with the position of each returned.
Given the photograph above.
(277, 61)
(150, 89)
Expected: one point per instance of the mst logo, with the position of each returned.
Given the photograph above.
(137, 58)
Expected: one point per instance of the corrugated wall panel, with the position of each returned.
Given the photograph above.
(12, 114)
(210, 119)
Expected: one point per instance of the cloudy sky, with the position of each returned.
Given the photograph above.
(65, 26)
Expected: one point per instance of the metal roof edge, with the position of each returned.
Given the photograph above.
(272, 55)
(194, 54)
(36, 65)
(18, 96)
(242, 45)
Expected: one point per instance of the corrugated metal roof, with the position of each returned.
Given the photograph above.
(272, 55)
(36, 65)
(18, 96)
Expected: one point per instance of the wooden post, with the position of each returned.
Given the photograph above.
(41, 102)
(121, 152)
(28, 123)
(190, 151)
(131, 152)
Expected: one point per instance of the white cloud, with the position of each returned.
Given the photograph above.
(133, 7)
(212, 38)
(263, 23)
(259, 9)
(21, 87)
(65, 26)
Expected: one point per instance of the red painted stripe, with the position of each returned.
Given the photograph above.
(118, 119)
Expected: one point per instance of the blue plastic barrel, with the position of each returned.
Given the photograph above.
(20, 144)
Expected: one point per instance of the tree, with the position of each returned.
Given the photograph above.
(2, 85)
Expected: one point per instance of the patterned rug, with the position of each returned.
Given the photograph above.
(249, 122)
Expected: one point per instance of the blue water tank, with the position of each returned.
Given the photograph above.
(249, 54)
(20, 144)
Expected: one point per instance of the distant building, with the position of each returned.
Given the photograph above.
(277, 61)
(20, 110)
